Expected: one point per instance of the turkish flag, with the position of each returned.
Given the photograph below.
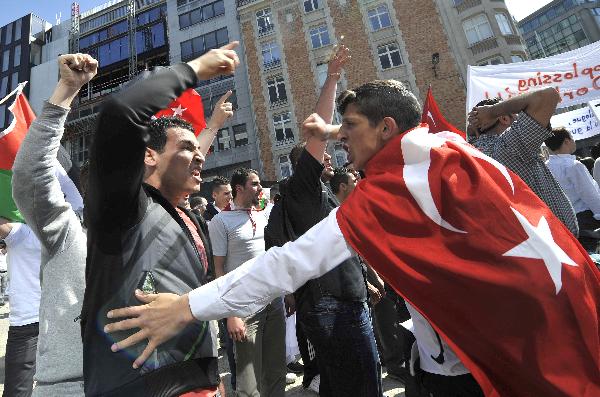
(189, 107)
(474, 250)
(10, 140)
(12, 136)
(434, 118)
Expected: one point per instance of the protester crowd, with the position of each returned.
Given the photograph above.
(127, 282)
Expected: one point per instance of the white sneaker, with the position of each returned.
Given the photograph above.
(290, 378)
(314, 384)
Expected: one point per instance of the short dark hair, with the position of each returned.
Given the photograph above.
(383, 98)
(595, 151)
(295, 154)
(157, 131)
(589, 164)
(557, 138)
(218, 182)
(195, 201)
(239, 177)
(340, 175)
(489, 101)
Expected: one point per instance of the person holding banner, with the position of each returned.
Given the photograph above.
(512, 132)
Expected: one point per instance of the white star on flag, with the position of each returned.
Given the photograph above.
(541, 245)
(178, 111)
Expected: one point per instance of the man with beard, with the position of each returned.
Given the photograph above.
(237, 234)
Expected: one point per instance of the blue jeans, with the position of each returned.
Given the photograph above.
(342, 335)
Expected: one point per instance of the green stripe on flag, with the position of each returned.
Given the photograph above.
(8, 208)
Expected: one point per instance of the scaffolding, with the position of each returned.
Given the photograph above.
(74, 32)
(132, 45)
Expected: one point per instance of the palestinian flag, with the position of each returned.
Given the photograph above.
(10, 140)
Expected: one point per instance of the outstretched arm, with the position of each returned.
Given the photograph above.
(116, 157)
(223, 111)
(36, 188)
(280, 271)
(326, 103)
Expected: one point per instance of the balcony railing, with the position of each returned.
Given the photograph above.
(242, 3)
(272, 64)
(285, 142)
(265, 30)
(513, 40)
(484, 45)
(466, 4)
(279, 103)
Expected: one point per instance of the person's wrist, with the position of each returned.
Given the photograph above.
(186, 311)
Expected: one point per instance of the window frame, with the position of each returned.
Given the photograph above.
(379, 11)
(476, 27)
(319, 32)
(389, 55)
(506, 23)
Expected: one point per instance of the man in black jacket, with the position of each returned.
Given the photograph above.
(138, 239)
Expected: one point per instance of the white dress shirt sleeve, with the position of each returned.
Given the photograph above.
(277, 272)
(587, 187)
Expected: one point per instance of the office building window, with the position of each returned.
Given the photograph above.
(80, 148)
(477, 29)
(311, 5)
(201, 14)
(276, 87)
(504, 24)
(18, 29)
(5, 60)
(283, 128)
(379, 17)
(270, 55)
(285, 166)
(240, 136)
(567, 34)
(14, 80)
(8, 36)
(319, 36)
(3, 87)
(17, 56)
(223, 139)
(2, 115)
(197, 46)
(264, 20)
(516, 58)
(389, 55)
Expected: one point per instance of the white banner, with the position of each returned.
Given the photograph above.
(581, 122)
(574, 74)
(595, 107)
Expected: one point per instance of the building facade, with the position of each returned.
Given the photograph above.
(195, 26)
(287, 44)
(21, 44)
(481, 32)
(561, 26)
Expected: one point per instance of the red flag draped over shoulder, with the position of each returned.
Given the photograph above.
(484, 260)
(10, 140)
(189, 107)
(434, 118)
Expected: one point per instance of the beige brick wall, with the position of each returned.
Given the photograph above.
(301, 78)
(424, 35)
(348, 22)
(258, 102)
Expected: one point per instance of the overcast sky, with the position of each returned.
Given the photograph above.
(522, 8)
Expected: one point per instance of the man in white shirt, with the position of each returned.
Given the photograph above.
(574, 178)
(237, 235)
(23, 257)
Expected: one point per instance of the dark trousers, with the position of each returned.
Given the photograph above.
(451, 386)
(394, 343)
(19, 368)
(311, 368)
(342, 335)
(229, 349)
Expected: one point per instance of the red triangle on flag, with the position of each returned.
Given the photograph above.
(189, 107)
(434, 118)
(11, 137)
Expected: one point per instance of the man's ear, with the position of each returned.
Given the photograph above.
(150, 157)
(506, 120)
(390, 128)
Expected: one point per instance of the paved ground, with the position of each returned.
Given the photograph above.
(391, 387)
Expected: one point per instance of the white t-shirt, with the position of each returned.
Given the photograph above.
(23, 257)
(429, 347)
(3, 265)
(234, 235)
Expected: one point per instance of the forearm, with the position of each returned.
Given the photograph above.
(280, 271)
(63, 95)
(219, 262)
(206, 139)
(540, 105)
(326, 102)
(36, 189)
